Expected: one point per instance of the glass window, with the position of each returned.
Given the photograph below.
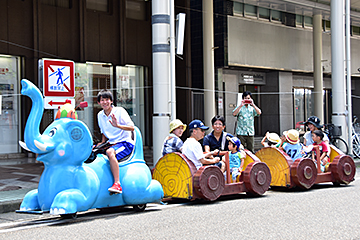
(9, 103)
(90, 78)
(250, 11)
(355, 31)
(308, 21)
(299, 20)
(98, 5)
(239, 8)
(264, 13)
(326, 25)
(130, 93)
(136, 10)
(276, 15)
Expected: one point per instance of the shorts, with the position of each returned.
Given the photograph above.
(122, 149)
(218, 164)
(234, 173)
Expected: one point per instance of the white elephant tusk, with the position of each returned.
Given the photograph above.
(24, 146)
(41, 146)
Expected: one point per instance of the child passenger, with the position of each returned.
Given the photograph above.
(173, 143)
(236, 157)
(292, 146)
(270, 140)
(317, 137)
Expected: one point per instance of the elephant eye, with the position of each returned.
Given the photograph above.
(52, 132)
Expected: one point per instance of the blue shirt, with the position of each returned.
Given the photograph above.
(211, 141)
(293, 150)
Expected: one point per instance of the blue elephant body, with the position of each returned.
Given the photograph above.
(68, 185)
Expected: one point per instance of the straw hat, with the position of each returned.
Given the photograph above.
(174, 124)
(273, 137)
(292, 136)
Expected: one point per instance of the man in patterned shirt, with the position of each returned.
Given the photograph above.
(245, 114)
(173, 143)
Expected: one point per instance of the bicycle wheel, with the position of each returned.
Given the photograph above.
(340, 144)
(356, 145)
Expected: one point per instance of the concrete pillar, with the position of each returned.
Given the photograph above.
(348, 74)
(338, 65)
(318, 72)
(160, 21)
(208, 56)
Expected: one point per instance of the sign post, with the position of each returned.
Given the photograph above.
(59, 82)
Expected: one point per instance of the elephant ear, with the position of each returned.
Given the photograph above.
(81, 139)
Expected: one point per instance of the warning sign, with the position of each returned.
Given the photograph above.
(59, 78)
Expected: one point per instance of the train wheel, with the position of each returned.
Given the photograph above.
(139, 207)
(257, 178)
(343, 169)
(303, 172)
(209, 182)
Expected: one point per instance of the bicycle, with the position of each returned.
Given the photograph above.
(355, 137)
(334, 134)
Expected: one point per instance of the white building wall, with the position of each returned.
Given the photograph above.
(262, 44)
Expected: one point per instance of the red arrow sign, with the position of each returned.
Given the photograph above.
(59, 103)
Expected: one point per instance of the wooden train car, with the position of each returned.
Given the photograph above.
(180, 178)
(303, 172)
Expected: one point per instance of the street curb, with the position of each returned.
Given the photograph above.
(10, 206)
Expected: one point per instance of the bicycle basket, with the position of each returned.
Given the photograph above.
(334, 130)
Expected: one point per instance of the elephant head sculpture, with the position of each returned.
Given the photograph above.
(68, 185)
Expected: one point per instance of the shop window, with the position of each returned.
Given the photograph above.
(130, 93)
(136, 10)
(264, 13)
(58, 3)
(276, 16)
(98, 5)
(90, 78)
(239, 8)
(9, 104)
(250, 11)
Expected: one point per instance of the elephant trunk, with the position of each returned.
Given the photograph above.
(32, 135)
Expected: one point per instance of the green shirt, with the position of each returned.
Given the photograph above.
(245, 121)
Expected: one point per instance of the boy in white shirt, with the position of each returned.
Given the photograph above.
(116, 127)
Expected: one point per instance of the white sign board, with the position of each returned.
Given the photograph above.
(56, 102)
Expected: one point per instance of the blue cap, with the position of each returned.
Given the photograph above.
(197, 124)
(235, 141)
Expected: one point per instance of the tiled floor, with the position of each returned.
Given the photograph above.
(20, 176)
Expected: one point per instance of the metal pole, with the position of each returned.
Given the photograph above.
(172, 60)
(338, 65)
(318, 72)
(160, 21)
(208, 55)
(348, 73)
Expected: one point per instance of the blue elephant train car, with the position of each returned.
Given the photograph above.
(68, 185)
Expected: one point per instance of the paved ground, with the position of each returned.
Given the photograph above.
(19, 176)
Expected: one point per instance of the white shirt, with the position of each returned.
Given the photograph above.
(310, 141)
(193, 151)
(112, 133)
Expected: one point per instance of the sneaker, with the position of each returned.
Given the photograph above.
(116, 188)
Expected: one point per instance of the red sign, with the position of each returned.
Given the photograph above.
(59, 78)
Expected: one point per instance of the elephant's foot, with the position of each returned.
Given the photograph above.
(68, 202)
(30, 202)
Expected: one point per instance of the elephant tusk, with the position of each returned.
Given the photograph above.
(41, 146)
(24, 146)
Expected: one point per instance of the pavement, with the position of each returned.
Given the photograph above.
(19, 176)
